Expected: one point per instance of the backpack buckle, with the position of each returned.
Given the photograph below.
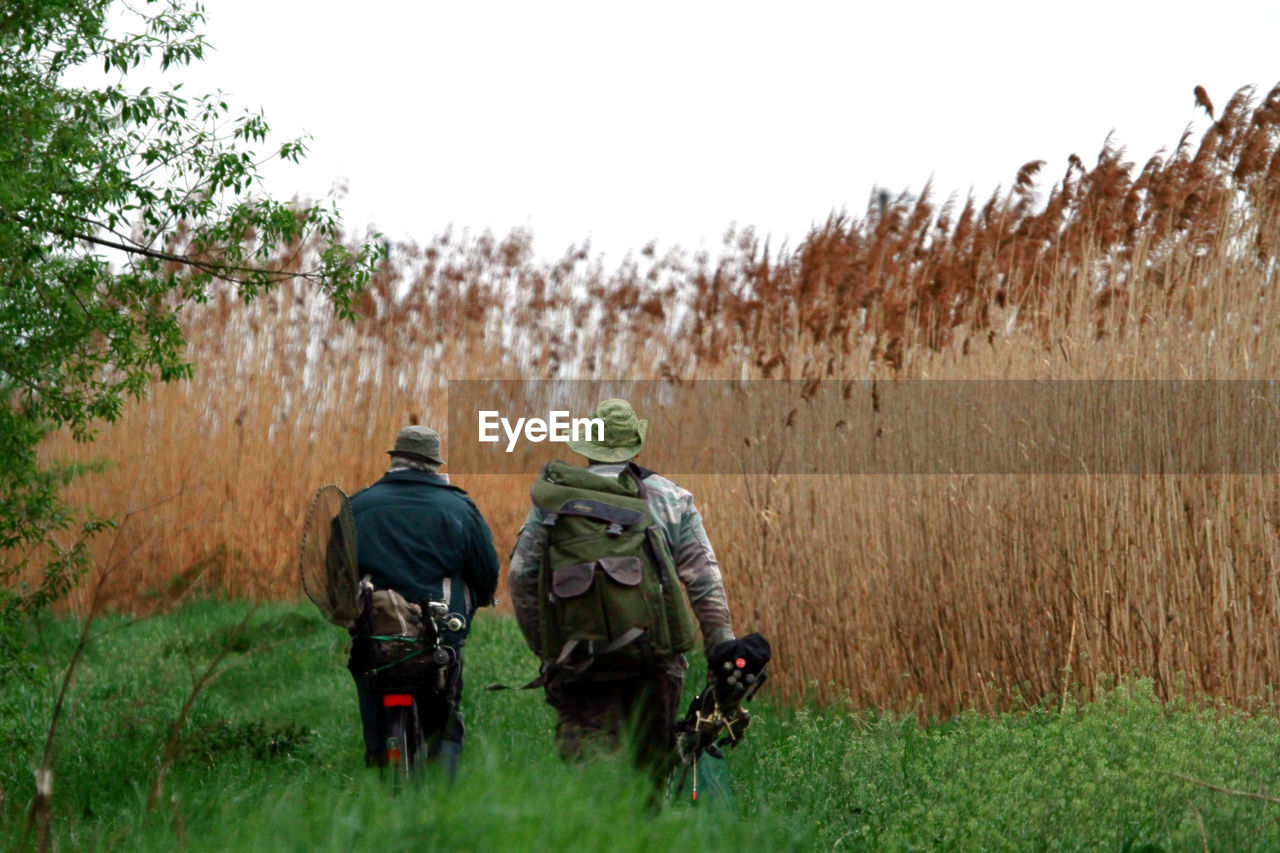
(614, 529)
(550, 520)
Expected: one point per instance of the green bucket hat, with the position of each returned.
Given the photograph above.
(418, 442)
(623, 433)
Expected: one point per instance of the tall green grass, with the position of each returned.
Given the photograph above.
(271, 759)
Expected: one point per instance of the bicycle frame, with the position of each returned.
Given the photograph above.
(404, 736)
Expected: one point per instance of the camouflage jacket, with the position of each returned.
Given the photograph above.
(675, 514)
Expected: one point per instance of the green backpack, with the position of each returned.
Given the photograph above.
(610, 599)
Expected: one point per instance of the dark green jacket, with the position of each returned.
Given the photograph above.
(417, 534)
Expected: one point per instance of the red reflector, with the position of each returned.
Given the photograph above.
(397, 700)
(741, 663)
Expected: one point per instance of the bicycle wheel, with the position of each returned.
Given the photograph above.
(404, 735)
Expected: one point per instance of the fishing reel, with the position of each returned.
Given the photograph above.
(442, 620)
(445, 620)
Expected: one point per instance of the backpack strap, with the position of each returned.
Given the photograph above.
(566, 652)
(564, 661)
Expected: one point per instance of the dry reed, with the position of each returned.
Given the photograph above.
(934, 592)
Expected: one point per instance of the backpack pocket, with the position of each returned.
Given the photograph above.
(625, 570)
(600, 601)
(634, 601)
(572, 581)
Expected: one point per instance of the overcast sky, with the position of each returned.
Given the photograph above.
(626, 122)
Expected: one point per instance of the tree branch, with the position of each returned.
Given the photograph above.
(219, 271)
(175, 731)
(1221, 790)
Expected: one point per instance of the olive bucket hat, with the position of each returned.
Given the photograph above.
(418, 442)
(623, 433)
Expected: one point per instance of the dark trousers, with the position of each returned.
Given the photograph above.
(602, 716)
(439, 718)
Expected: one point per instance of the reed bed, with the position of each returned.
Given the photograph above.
(937, 592)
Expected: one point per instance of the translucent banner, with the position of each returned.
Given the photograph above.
(882, 427)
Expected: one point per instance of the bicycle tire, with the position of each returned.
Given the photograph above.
(404, 741)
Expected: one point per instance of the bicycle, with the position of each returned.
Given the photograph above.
(402, 665)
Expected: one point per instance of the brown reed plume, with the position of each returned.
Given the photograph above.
(1202, 100)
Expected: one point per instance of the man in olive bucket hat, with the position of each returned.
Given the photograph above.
(592, 712)
(425, 539)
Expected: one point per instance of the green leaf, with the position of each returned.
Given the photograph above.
(116, 207)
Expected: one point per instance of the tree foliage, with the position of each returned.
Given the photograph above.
(119, 204)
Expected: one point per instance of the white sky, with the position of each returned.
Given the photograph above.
(625, 122)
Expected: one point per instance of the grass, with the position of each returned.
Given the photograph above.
(270, 759)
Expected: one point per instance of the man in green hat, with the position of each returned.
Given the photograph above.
(593, 710)
(425, 539)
